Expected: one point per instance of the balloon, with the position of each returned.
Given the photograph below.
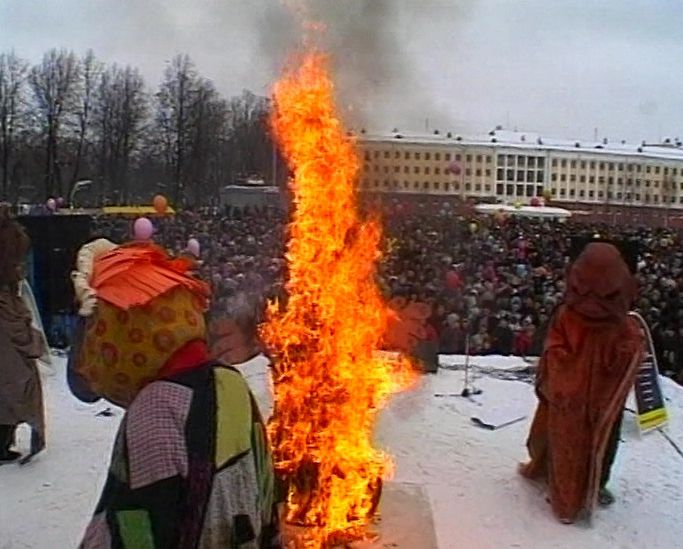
(160, 204)
(193, 247)
(142, 229)
(518, 205)
(453, 280)
(535, 202)
(473, 227)
(60, 202)
(51, 204)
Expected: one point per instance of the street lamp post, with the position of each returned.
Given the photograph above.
(82, 184)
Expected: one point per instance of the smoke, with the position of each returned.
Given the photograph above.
(376, 76)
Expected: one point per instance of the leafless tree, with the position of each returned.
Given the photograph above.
(12, 79)
(174, 98)
(120, 113)
(54, 82)
(90, 71)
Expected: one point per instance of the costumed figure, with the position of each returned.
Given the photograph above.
(191, 466)
(21, 396)
(591, 355)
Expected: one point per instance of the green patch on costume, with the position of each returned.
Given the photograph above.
(233, 416)
(135, 529)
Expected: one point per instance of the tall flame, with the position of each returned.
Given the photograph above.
(329, 381)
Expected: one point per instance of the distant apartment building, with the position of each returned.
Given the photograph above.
(516, 166)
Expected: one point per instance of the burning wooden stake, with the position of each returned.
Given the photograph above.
(329, 382)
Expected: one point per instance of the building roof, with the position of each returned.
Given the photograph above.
(670, 149)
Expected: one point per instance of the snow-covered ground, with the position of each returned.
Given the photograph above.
(469, 474)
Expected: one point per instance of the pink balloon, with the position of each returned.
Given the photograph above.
(51, 204)
(535, 202)
(143, 229)
(193, 247)
(60, 202)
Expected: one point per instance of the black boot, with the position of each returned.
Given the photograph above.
(6, 441)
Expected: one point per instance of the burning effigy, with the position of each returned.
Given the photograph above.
(330, 381)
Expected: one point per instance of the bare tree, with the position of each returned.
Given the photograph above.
(90, 71)
(173, 111)
(12, 78)
(54, 83)
(119, 117)
(207, 125)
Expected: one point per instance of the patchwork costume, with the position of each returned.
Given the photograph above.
(191, 466)
(592, 353)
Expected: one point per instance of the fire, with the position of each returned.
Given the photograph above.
(330, 382)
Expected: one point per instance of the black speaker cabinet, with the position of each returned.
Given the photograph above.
(55, 241)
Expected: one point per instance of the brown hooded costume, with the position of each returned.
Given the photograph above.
(21, 398)
(592, 353)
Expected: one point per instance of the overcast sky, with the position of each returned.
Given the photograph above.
(560, 67)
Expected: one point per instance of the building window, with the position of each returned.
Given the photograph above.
(591, 194)
(618, 196)
(417, 156)
(529, 191)
(553, 177)
(591, 179)
(500, 189)
(487, 188)
(540, 163)
(563, 177)
(468, 186)
(479, 158)
(397, 169)
(478, 172)
(437, 185)
(572, 193)
(520, 175)
(376, 154)
(601, 194)
(488, 172)
(489, 159)
(592, 164)
(610, 180)
(554, 162)
(477, 187)
(500, 159)
(427, 171)
(447, 156)
(510, 175)
(521, 161)
(386, 154)
(446, 186)
(621, 166)
(457, 157)
(405, 184)
(469, 158)
(407, 155)
(572, 178)
(656, 169)
(367, 155)
(406, 169)
(437, 156)
(601, 179)
(563, 192)
(573, 163)
(530, 176)
(531, 162)
(416, 169)
(563, 163)
(611, 165)
(500, 174)
(647, 169)
(425, 185)
(539, 177)
(509, 189)
(582, 193)
(397, 154)
(437, 171)
(583, 164)
(427, 156)
(511, 159)
(554, 192)
(468, 171)
(602, 165)
(582, 179)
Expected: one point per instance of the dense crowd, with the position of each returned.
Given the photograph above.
(492, 283)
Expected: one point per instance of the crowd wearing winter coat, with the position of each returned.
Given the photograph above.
(492, 283)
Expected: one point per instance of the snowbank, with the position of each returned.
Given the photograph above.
(468, 473)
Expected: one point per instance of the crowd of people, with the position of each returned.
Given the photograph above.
(492, 283)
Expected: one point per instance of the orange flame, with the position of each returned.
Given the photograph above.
(329, 382)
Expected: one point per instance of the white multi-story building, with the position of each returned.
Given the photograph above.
(516, 166)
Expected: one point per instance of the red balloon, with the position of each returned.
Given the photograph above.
(535, 201)
(453, 280)
(454, 168)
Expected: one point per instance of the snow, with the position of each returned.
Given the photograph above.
(468, 473)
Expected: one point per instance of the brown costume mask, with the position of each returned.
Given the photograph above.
(599, 284)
